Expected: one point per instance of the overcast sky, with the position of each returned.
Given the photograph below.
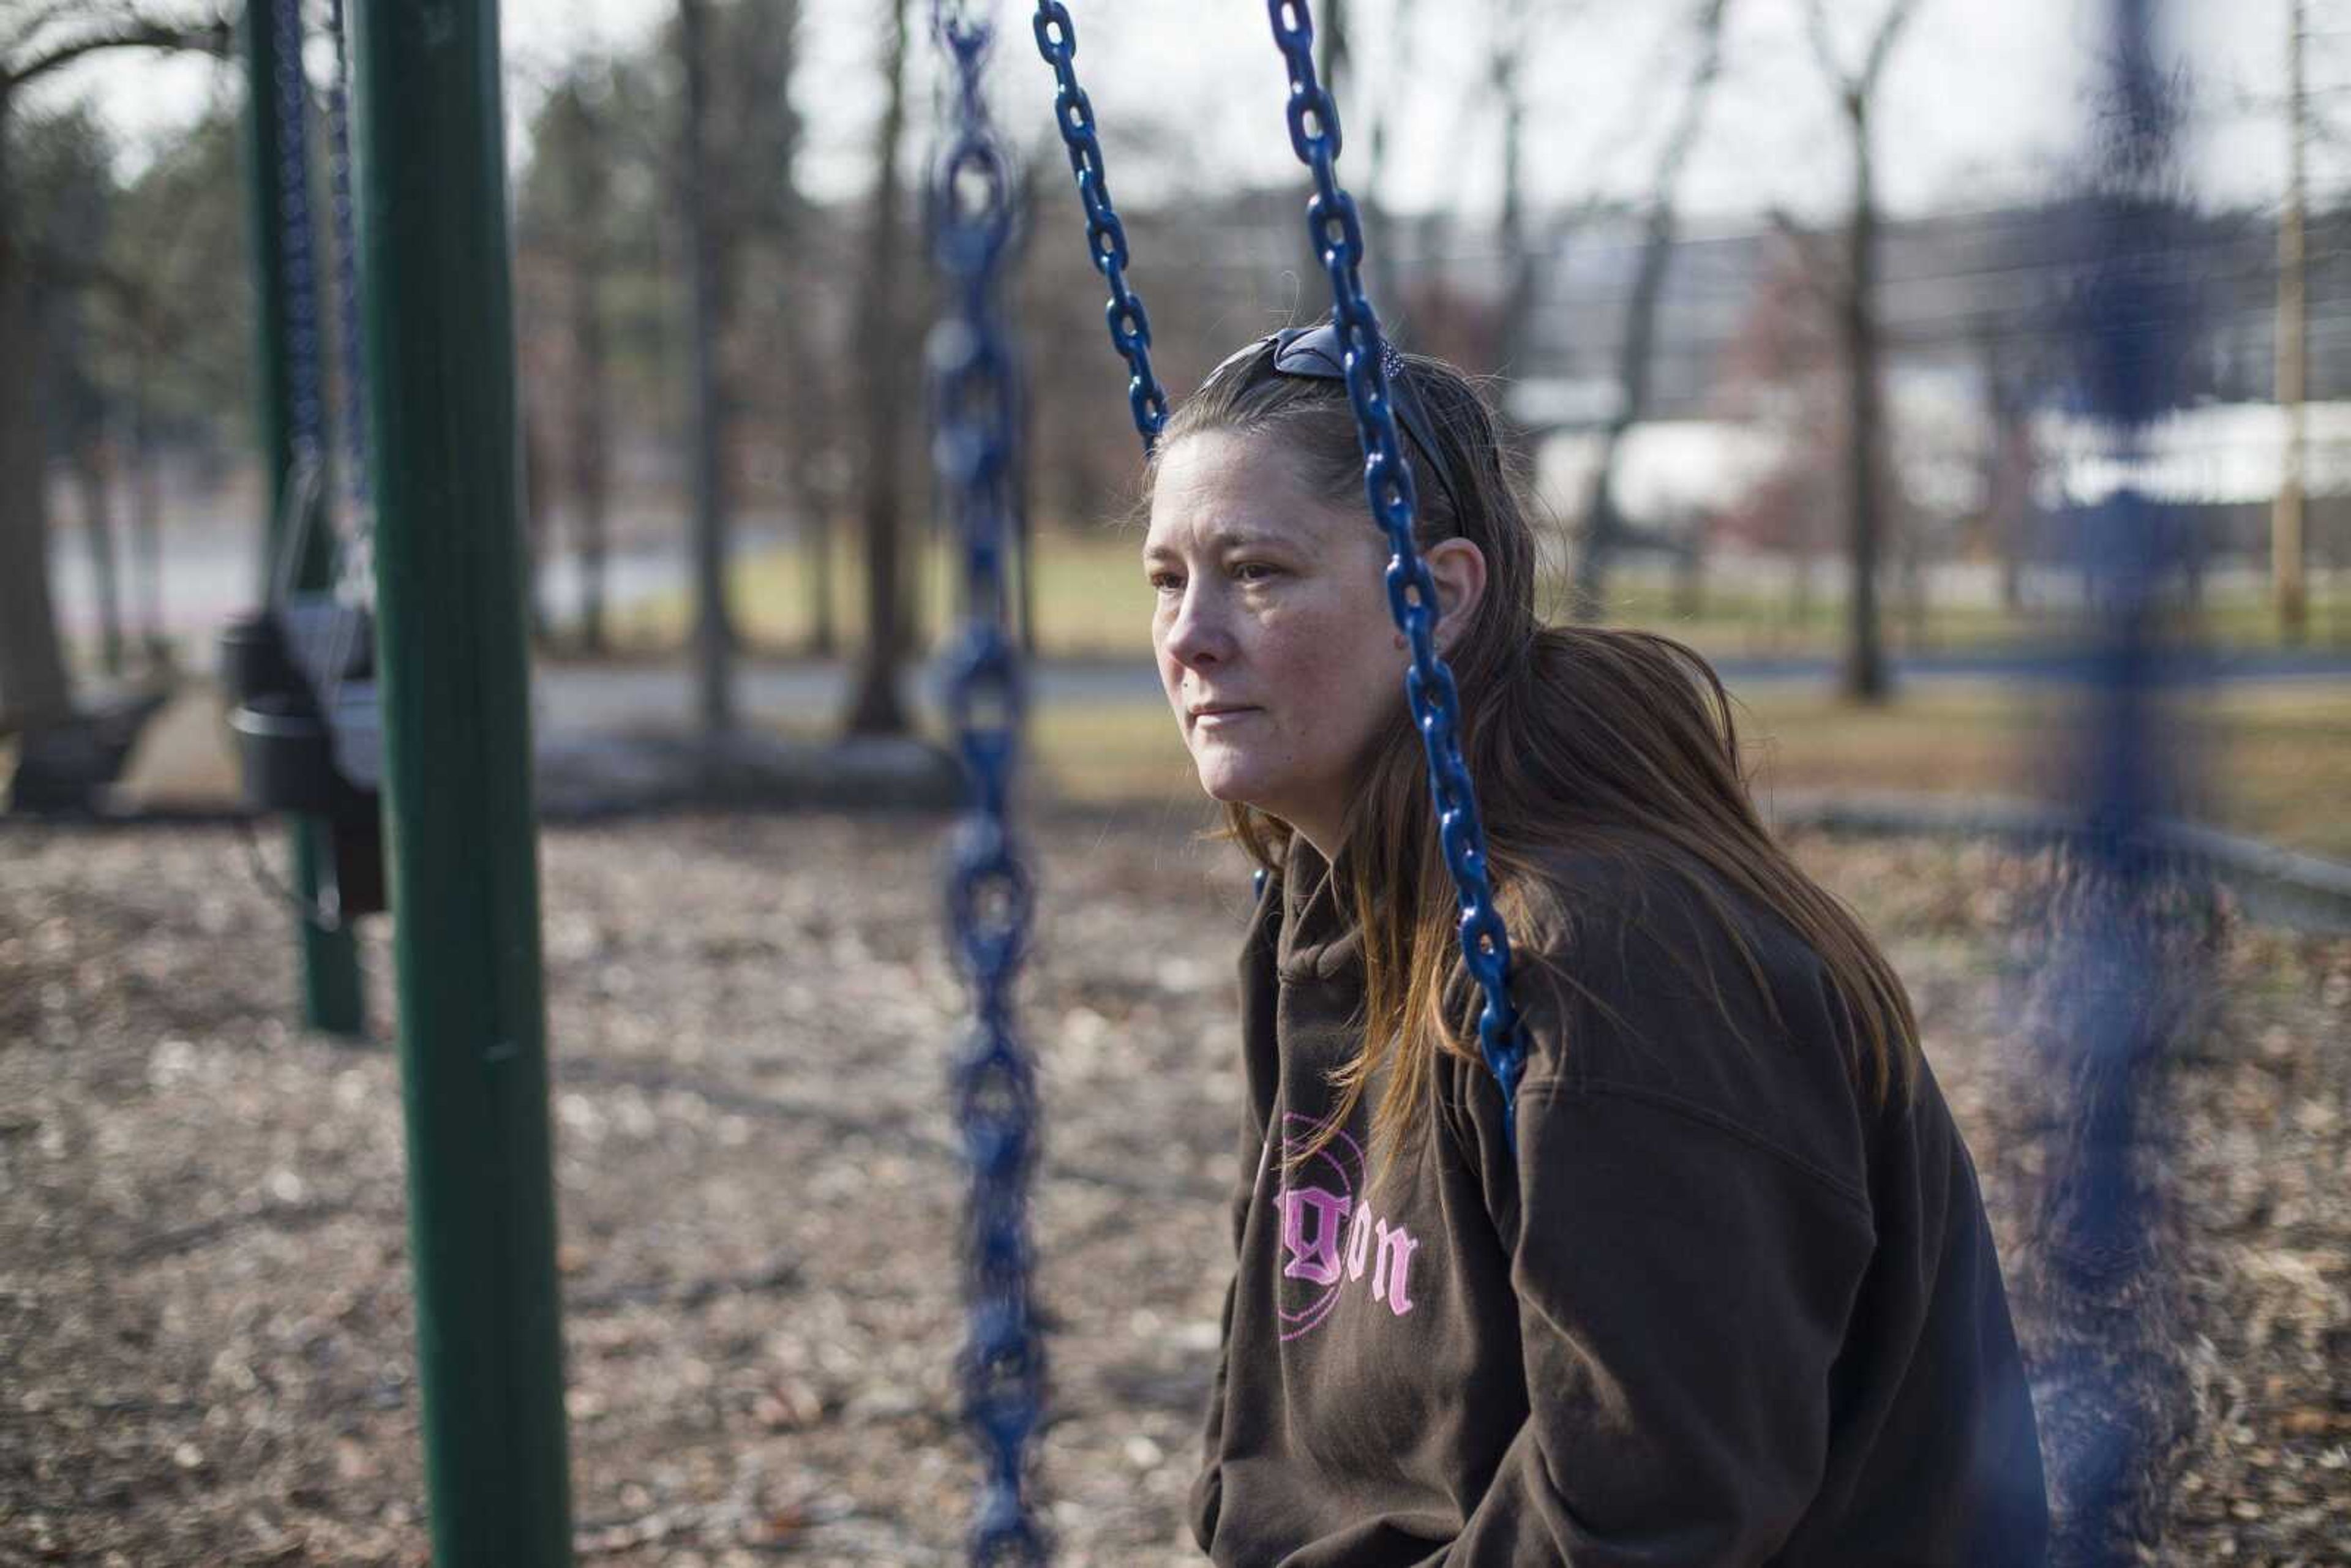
(1983, 101)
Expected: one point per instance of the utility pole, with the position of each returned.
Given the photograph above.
(2288, 549)
(455, 676)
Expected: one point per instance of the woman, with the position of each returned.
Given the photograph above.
(1734, 1299)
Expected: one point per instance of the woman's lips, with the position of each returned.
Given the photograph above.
(1216, 719)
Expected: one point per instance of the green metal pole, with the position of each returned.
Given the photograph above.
(454, 671)
(332, 998)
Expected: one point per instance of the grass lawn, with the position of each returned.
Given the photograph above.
(2269, 758)
(1091, 601)
(2272, 760)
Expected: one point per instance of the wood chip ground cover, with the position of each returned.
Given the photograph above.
(205, 1336)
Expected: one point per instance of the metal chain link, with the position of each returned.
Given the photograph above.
(2116, 970)
(1337, 235)
(358, 545)
(974, 394)
(1074, 112)
(298, 242)
(296, 253)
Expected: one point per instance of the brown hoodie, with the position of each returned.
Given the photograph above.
(1718, 1309)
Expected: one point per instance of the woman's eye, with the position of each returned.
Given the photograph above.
(1253, 571)
(1165, 581)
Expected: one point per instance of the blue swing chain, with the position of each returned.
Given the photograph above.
(1074, 112)
(974, 397)
(297, 253)
(298, 257)
(1337, 235)
(359, 566)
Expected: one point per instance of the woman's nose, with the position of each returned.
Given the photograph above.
(1197, 635)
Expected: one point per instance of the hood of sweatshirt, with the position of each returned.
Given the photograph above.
(1320, 939)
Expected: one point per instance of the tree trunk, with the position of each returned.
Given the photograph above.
(1911, 548)
(2008, 490)
(586, 195)
(1336, 57)
(1024, 523)
(1604, 526)
(1690, 573)
(1864, 672)
(806, 449)
(1800, 595)
(34, 687)
(536, 503)
(2289, 511)
(824, 621)
(146, 521)
(713, 635)
(90, 477)
(1339, 71)
(2008, 469)
(591, 463)
(878, 706)
(2190, 551)
(1519, 293)
(914, 567)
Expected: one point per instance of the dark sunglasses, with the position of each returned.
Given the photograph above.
(1318, 354)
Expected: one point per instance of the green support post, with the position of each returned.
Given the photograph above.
(454, 671)
(332, 997)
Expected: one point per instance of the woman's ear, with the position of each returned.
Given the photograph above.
(1459, 569)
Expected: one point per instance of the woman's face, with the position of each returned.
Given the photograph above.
(1271, 628)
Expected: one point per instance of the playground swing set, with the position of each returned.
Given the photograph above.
(402, 696)
(298, 672)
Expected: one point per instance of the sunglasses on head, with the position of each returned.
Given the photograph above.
(1318, 353)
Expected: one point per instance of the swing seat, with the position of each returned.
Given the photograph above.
(298, 678)
(356, 729)
(310, 731)
(287, 754)
(312, 641)
(328, 640)
(253, 659)
(294, 760)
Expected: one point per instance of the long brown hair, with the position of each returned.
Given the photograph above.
(1577, 737)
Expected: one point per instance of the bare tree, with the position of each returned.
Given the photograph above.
(2011, 459)
(777, 372)
(878, 706)
(806, 407)
(571, 158)
(1605, 526)
(159, 291)
(1379, 267)
(1513, 28)
(146, 509)
(1863, 678)
(1781, 375)
(39, 38)
(1333, 54)
(66, 171)
(93, 467)
(2287, 546)
(714, 633)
